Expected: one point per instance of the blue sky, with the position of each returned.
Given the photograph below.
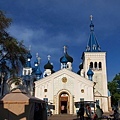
(48, 25)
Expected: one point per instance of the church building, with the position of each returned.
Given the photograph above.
(65, 89)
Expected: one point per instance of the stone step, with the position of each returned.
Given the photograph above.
(63, 117)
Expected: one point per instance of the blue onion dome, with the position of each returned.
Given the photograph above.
(90, 72)
(35, 62)
(63, 59)
(66, 56)
(69, 58)
(29, 55)
(80, 68)
(48, 66)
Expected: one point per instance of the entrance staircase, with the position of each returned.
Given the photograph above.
(63, 117)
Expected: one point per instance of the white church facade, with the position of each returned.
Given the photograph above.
(64, 88)
(67, 88)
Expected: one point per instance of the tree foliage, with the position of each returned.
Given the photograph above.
(114, 88)
(117, 77)
(4, 21)
(11, 50)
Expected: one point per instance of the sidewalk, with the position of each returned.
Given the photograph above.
(67, 117)
(63, 117)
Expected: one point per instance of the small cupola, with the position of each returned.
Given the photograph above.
(90, 74)
(80, 68)
(48, 65)
(69, 58)
(38, 72)
(66, 60)
(48, 68)
(63, 60)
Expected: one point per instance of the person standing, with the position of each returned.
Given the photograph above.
(98, 112)
(81, 112)
(87, 113)
(62, 109)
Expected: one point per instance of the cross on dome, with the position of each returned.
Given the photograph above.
(92, 45)
(91, 17)
(49, 57)
(65, 49)
(36, 55)
(39, 60)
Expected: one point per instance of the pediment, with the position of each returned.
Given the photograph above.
(64, 74)
(97, 93)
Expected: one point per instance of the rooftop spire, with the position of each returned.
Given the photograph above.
(39, 60)
(38, 72)
(29, 56)
(91, 17)
(91, 25)
(92, 45)
(65, 49)
(37, 55)
(49, 57)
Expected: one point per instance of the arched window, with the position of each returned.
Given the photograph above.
(94, 47)
(28, 72)
(67, 66)
(25, 72)
(95, 65)
(100, 65)
(91, 64)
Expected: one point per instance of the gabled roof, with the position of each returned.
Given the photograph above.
(66, 72)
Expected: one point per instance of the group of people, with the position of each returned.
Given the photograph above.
(115, 115)
(86, 113)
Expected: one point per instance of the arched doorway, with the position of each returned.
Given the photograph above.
(64, 103)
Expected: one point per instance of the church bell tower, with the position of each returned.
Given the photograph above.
(95, 59)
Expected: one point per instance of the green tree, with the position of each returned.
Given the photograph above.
(114, 88)
(11, 50)
(117, 77)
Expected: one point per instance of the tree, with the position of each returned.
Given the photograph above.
(117, 77)
(114, 88)
(11, 50)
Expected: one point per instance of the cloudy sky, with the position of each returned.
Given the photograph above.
(48, 25)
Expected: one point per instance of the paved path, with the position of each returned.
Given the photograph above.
(67, 117)
(63, 117)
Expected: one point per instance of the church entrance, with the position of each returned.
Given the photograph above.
(64, 103)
